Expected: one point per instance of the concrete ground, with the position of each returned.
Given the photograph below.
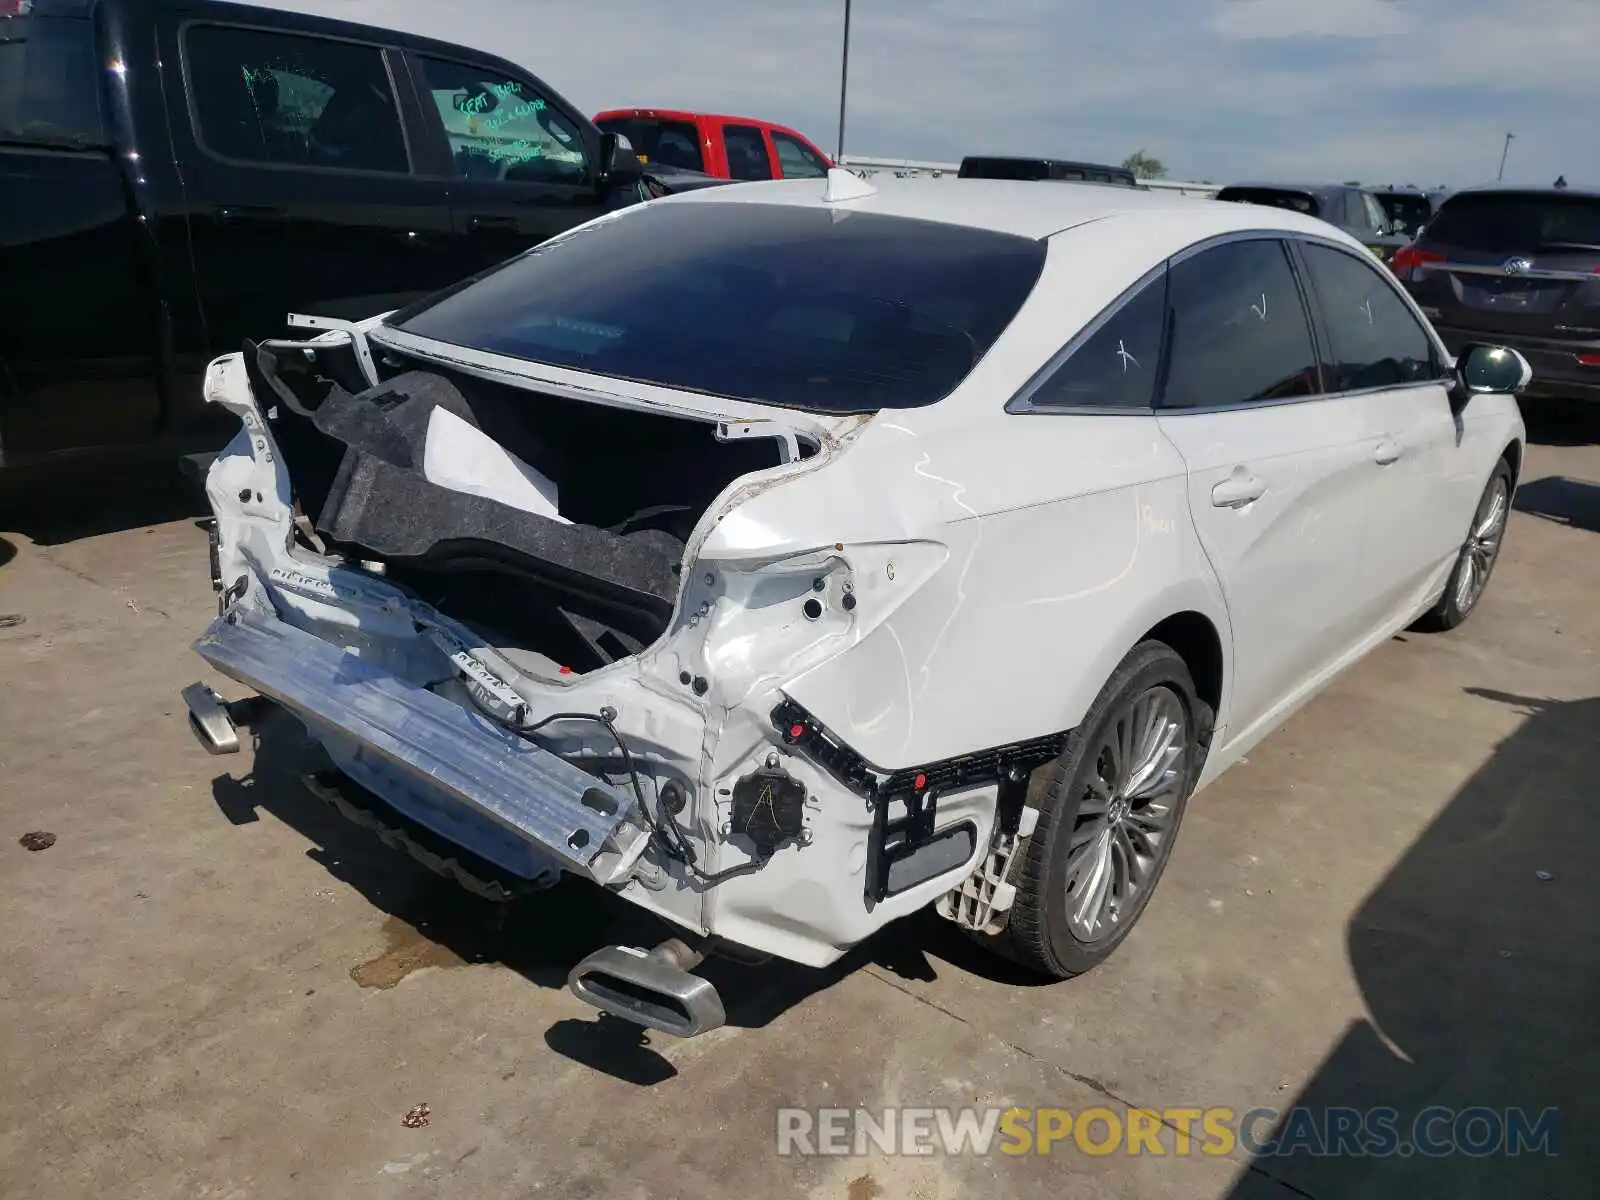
(212, 987)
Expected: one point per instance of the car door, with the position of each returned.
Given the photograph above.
(298, 174)
(523, 165)
(1279, 474)
(1379, 353)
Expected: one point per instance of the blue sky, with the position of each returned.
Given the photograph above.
(1418, 91)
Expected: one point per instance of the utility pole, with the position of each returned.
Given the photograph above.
(844, 80)
(1498, 178)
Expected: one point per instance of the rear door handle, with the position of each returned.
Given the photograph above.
(482, 224)
(1238, 489)
(1387, 451)
(251, 214)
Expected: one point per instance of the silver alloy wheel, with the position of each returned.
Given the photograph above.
(1482, 545)
(1124, 816)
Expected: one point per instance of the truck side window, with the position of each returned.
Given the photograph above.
(293, 100)
(797, 159)
(747, 152)
(501, 128)
(50, 82)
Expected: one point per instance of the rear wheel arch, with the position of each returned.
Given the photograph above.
(1198, 642)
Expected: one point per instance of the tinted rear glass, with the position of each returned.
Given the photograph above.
(801, 307)
(1527, 222)
(49, 82)
(662, 143)
(1301, 202)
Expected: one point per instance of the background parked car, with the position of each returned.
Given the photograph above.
(1518, 266)
(1352, 209)
(724, 146)
(1409, 207)
(237, 164)
(976, 166)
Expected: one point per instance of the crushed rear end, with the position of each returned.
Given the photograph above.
(522, 665)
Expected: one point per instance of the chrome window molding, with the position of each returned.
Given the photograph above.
(1022, 402)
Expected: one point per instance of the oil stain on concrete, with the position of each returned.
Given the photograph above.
(406, 949)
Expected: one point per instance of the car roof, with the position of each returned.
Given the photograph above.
(1589, 191)
(1315, 189)
(1020, 207)
(684, 114)
(294, 20)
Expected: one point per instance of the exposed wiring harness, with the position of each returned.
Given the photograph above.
(664, 827)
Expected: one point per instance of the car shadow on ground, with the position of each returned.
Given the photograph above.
(1553, 422)
(8, 551)
(65, 506)
(1480, 967)
(1574, 502)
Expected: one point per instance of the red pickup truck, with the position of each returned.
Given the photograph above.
(727, 147)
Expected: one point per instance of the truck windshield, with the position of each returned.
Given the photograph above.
(775, 304)
(49, 85)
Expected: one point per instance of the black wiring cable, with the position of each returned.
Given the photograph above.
(676, 843)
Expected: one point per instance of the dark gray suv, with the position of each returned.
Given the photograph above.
(1353, 209)
(1518, 267)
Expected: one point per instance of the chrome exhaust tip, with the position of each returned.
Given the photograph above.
(210, 720)
(652, 988)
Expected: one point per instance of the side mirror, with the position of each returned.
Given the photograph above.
(618, 162)
(1491, 370)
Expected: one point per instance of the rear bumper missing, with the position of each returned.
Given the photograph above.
(578, 821)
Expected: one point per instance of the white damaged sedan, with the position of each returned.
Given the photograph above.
(791, 557)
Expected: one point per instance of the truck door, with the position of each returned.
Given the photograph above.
(523, 164)
(748, 154)
(300, 180)
(78, 335)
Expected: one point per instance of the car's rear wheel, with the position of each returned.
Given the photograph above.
(1477, 557)
(1109, 811)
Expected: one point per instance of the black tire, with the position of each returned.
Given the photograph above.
(1451, 609)
(1040, 934)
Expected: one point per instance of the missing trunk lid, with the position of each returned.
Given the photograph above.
(561, 524)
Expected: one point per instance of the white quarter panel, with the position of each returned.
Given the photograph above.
(1068, 537)
(1294, 563)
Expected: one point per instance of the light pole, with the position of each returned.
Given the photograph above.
(844, 80)
(1504, 151)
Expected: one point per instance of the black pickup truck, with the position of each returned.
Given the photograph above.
(178, 174)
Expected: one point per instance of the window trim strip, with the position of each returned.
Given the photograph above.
(1022, 403)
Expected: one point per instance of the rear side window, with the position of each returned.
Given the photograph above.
(50, 82)
(1374, 339)
(1511, 222)
(1118, 364)
(797, 159)
(776, 304)
(747, 152)
(665, 143)
(293, 100)
(1239, 331)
